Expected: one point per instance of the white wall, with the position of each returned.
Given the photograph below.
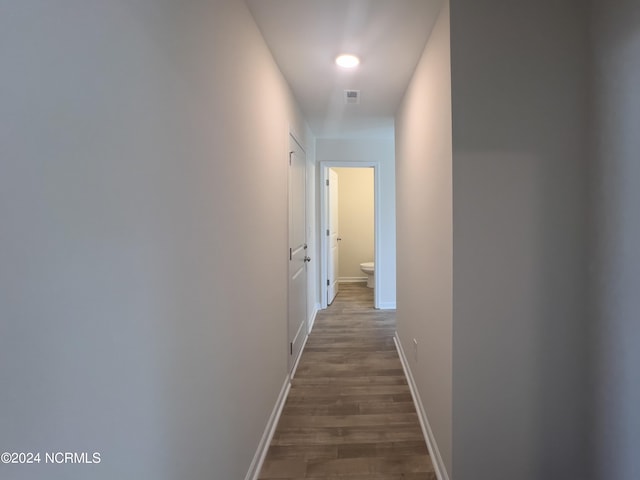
(143, 202)
(379, 150)
(424, 217)
(516, 355)
(520, 104)
(356, 220)
(616, 233)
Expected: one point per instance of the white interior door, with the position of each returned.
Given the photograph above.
(333, 250)
(298, 258)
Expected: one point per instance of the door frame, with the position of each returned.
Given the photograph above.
(324, 224)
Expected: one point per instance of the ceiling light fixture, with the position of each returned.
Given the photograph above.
(347, 61)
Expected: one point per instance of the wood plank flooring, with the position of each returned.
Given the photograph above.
(349, 414)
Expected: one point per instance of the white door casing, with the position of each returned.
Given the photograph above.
(298, 258)
(333, 251)
(325, 168)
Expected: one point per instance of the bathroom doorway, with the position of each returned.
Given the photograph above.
(355, 239)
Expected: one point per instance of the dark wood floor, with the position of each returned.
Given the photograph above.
(349, 414)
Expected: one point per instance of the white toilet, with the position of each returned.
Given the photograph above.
(368, 268)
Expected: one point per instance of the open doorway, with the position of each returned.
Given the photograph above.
(354, 239)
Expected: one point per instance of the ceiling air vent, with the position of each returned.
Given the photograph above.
(352, 96)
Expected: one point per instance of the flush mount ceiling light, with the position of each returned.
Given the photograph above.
(347, 61)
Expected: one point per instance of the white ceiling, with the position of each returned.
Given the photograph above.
(305, 36)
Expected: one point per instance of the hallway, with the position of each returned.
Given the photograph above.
(349, 413)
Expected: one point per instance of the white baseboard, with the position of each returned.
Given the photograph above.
(352, 279)
(265, 441)
(316, 308)
(387, 306)
(267, 436)
(438, 464)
